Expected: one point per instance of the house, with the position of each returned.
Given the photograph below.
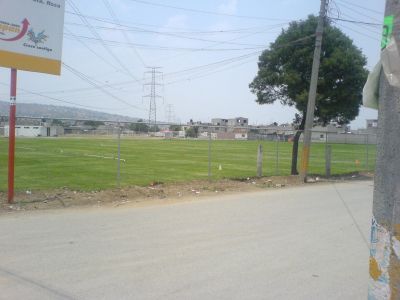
(35, 131)
(238, 122)
(236, 128)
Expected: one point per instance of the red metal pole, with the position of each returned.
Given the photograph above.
(11, 135)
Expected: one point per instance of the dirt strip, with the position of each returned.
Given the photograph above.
(155, 193)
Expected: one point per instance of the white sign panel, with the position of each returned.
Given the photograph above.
(31, 35)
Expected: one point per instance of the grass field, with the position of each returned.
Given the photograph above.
(89, 163)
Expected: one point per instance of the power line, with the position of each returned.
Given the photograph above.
(210, 73)
(90, 49)
(114, 16)
(142, 30)
(217, 43)
(182, 30)
(91, 82)
(381, 13)
(96, 35)
(359, 32)
(205, 11)
(356, 22)
(59, 100)
(356, 11)
(224, 62)
(157, 47)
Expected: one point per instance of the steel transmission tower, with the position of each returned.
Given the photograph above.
(153, 95)
(170, 113)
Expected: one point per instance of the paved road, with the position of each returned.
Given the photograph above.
(296, 243)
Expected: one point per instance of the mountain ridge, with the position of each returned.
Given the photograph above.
(36, 110)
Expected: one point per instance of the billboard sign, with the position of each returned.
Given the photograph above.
(31, 35)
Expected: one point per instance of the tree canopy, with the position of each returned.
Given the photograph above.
(285, 72)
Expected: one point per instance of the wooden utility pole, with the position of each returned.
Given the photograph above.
(384, 267)
(312, 95)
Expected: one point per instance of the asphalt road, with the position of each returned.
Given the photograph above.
(295, 243)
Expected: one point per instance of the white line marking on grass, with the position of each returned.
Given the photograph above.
(104, 157)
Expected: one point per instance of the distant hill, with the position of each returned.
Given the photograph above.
(53, 111)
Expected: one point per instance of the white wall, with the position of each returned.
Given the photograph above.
(31, 131)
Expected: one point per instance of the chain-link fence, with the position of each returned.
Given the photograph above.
(104, 155)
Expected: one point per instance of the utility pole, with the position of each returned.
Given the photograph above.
(384, 267)
(313, 91)
(153, 95)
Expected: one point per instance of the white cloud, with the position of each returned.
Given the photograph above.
(229, 7)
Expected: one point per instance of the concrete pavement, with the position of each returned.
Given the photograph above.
(294, 243)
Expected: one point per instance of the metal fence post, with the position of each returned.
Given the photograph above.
(367, 152)
(119, 157)
(259, 161)
(209, 156)
(277, 155)
(328, 155)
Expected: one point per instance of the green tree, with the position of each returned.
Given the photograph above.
(139, 126)
(57, 122)
(93, 124)
(285, 71)
(192, 132)
(154, 128)
(175, 127)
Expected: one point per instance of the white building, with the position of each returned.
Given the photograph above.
(34, 131)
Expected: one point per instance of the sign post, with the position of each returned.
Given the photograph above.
(11, 135)
(31, 35)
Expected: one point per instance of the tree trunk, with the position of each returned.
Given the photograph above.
(295, 149)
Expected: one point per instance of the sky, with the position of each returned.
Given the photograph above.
(206, 51)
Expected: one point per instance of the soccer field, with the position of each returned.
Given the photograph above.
(90, 163)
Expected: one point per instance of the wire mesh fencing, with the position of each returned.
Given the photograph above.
(117, 156)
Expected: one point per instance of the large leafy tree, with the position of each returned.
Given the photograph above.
(285, 71)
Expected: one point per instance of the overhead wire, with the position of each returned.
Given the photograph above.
(116, 19)
(205, 11)
(358, 12)
(142, 30)
(180, 29)
(158, 47)
(211, 73)
(231, 60)
(58, 99)
(361, 24)
(359, 32)
(229, 40)
(99, 87)
(356, 21)
(76, 38)
(97, 36)
(362, 7)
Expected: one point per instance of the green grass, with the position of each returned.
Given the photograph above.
(50, 163)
